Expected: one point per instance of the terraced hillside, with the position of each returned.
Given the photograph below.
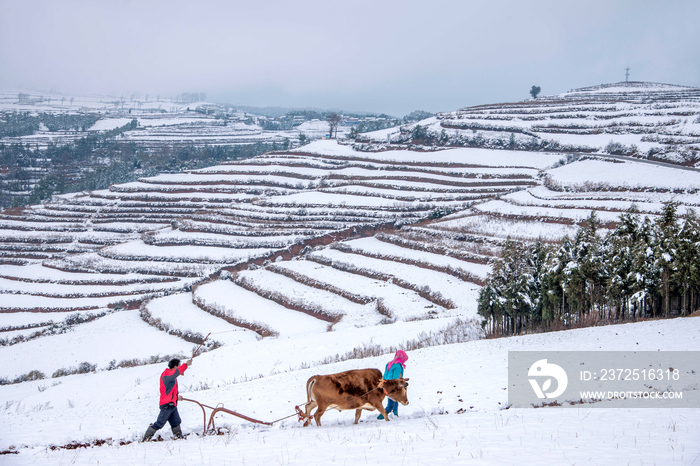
(326, 237)
(162, 123)
(646, 120)
(221, 238)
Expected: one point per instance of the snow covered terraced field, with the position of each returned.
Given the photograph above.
(189, 226)
(647, 120)
(175, 230)
(162, 122)
(294, 262)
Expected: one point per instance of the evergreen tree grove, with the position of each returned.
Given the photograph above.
(641, 269)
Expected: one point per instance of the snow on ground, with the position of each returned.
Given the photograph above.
(172, 121)
(93, 261)
(31, 303)
(95, 237)
(504, 228)
(333, 199)
(171, 197)
(403, 304)
(450, 174)
(428, 186)
(138, 250)
(38, 272)
(353, 314)
(471, 377)
(528, 198)
(576, 215)
(463, 294)
(245, 306)
(180, 313)
(317, 126)
(374, 246)
(423, 196)
(631, 196)
(107, 124)
(89, 290)
(219, 178)
(277, 165)
(628, 174)
(128, 337)
(627, 88)
(225, 238)
(471, 156)
(19, 319)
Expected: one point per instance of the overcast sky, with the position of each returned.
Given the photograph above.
(352, 55)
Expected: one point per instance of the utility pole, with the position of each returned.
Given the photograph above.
(627, 74)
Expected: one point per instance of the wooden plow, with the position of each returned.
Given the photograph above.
(211, 427)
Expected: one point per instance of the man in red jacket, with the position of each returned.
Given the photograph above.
(168, 400)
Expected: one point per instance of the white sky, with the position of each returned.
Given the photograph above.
(358, 55)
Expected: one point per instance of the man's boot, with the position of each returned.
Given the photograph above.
(177, 433)
(149, 434)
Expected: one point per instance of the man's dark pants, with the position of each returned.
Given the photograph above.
(168, 413)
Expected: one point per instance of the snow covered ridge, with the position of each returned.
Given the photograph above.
(645, 120)
(629, 87)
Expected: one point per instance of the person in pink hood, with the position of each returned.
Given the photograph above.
(394, 370)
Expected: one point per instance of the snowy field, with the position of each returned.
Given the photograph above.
(463, 294)
(624, 175)
(504, 228)
(483, 158)
(282, 321)
(456, 413)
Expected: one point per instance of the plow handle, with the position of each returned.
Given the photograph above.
(194, 353)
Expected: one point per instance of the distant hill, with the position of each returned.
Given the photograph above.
(639, 119)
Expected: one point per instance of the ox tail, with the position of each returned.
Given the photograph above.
(309, 387)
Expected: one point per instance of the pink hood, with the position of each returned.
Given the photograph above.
(400, 357)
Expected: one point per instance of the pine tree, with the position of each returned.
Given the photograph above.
(666, 250)
(619, 251)
(687, 260)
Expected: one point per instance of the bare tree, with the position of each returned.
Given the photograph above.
(333, 121)
(71, 101)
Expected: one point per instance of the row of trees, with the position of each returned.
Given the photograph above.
(95, 163)
(15, 124)
(642, 269)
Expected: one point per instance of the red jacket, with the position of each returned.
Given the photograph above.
(168, 384)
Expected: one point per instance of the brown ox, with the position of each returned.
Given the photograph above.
(358, 390)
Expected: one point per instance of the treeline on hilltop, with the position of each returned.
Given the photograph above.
(97, 161)
(364, 125)
(388, 122)
(25, 124)
(642, 269)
